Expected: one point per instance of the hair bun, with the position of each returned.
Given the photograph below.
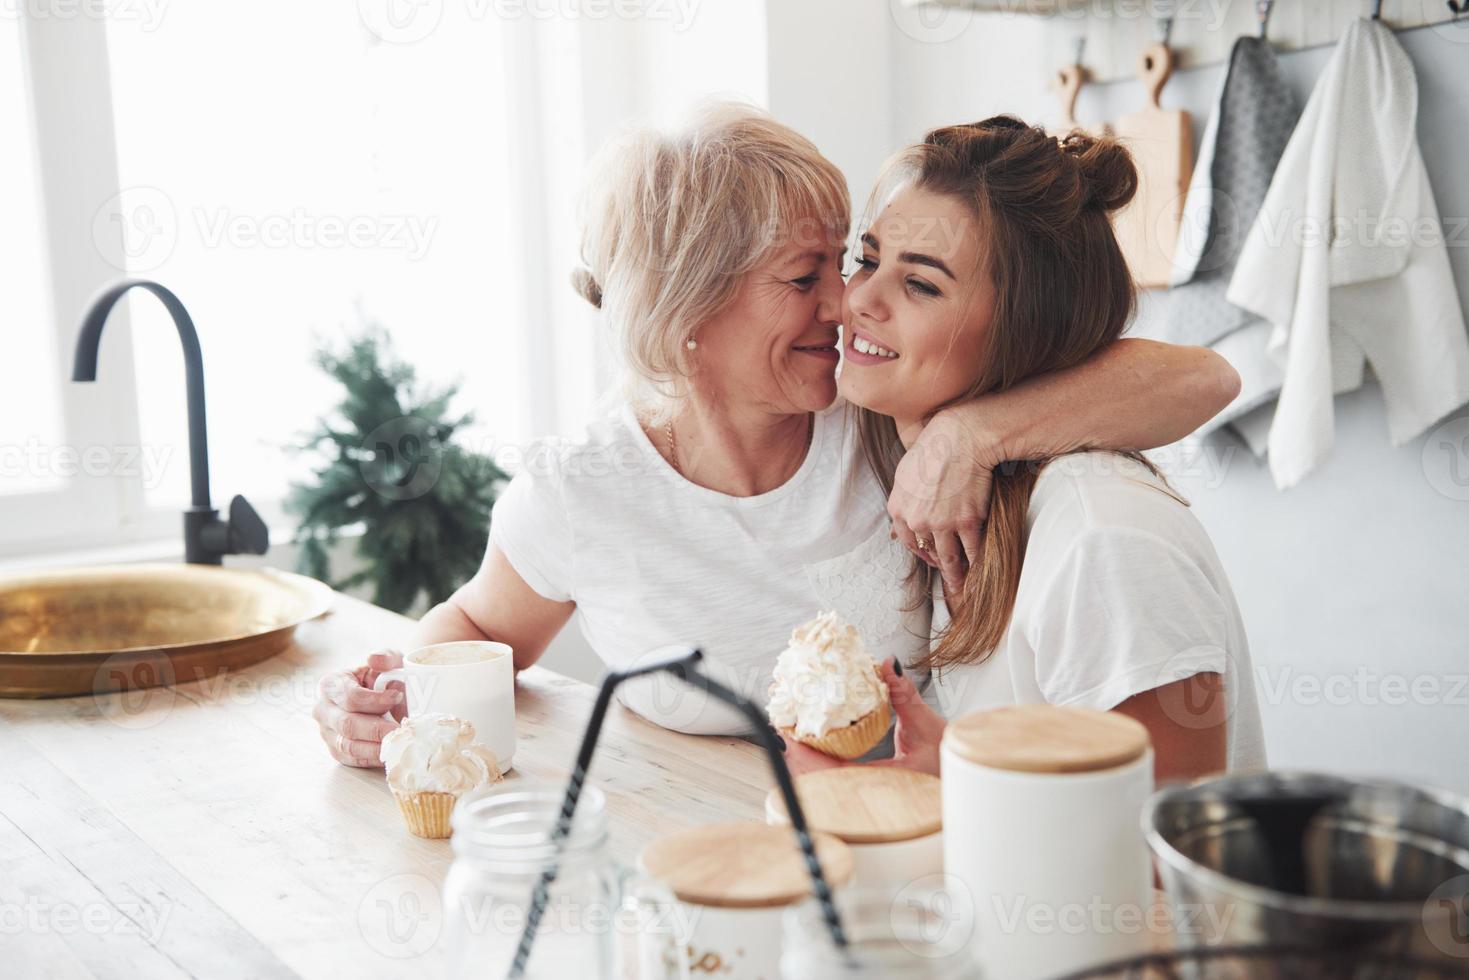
(586, 286)
(1108, 175)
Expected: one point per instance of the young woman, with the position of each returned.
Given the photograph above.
(991, 261)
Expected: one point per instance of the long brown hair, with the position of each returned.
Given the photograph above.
(1062, 293)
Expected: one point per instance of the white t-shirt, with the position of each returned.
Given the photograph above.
(652, 559)
(1121, 592)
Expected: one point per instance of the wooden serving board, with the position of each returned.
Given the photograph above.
(1161, 143)
(1067, 87)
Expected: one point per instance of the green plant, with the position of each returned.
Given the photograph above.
(391, 467)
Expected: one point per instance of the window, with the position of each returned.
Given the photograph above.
(347, 180)
(30, 402)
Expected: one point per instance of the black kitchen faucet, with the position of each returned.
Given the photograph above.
(207, 538)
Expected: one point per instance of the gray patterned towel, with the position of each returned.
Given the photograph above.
(1246, 134)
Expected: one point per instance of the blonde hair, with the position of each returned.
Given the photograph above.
(671, 222)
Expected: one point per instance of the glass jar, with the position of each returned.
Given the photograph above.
(914, 934)
(501, 847)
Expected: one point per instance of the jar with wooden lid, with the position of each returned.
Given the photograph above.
(1042, 806)
(730, 884)
(891, 818)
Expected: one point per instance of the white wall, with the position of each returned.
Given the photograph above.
(1354, 579)
(962, 67)
(829, 79)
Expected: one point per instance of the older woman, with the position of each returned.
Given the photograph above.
(726, 501)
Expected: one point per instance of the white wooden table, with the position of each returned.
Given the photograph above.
(203, 831)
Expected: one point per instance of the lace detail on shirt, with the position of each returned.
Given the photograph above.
(866, 586)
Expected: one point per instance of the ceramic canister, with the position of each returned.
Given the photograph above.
(732, 883)
(891, 818)
(1041, 809)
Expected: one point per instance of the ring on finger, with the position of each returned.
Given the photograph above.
(924, 544)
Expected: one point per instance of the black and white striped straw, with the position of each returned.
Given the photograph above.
(681, 661)
(770, 741)
(682, 665)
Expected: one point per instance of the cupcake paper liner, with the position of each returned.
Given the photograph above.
(854, 740)
(427, 813)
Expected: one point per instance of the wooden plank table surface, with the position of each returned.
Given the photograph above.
(204, 831)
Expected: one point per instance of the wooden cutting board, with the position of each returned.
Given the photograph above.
(1067, 88)
(1162, 146)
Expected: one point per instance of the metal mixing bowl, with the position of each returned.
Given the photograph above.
(1315, 861)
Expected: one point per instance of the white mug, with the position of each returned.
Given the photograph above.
(469, 679)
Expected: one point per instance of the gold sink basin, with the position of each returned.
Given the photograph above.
(121, 627)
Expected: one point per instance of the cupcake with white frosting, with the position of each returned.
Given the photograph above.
(828, 691)
(432, 760)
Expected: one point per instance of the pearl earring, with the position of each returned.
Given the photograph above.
(692, 343)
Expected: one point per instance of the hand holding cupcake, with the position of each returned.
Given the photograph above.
(828, 693)
(432, 760)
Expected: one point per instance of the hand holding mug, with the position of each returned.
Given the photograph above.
(353, 717)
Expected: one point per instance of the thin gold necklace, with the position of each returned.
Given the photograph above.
(673, 443)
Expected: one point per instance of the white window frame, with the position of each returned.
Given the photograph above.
(64, 61)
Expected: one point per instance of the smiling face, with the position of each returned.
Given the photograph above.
(775, 346)
(917, 309)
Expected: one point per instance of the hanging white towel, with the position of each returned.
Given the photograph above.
(1347, 261)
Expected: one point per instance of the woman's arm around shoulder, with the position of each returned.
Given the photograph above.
(1135, 394)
